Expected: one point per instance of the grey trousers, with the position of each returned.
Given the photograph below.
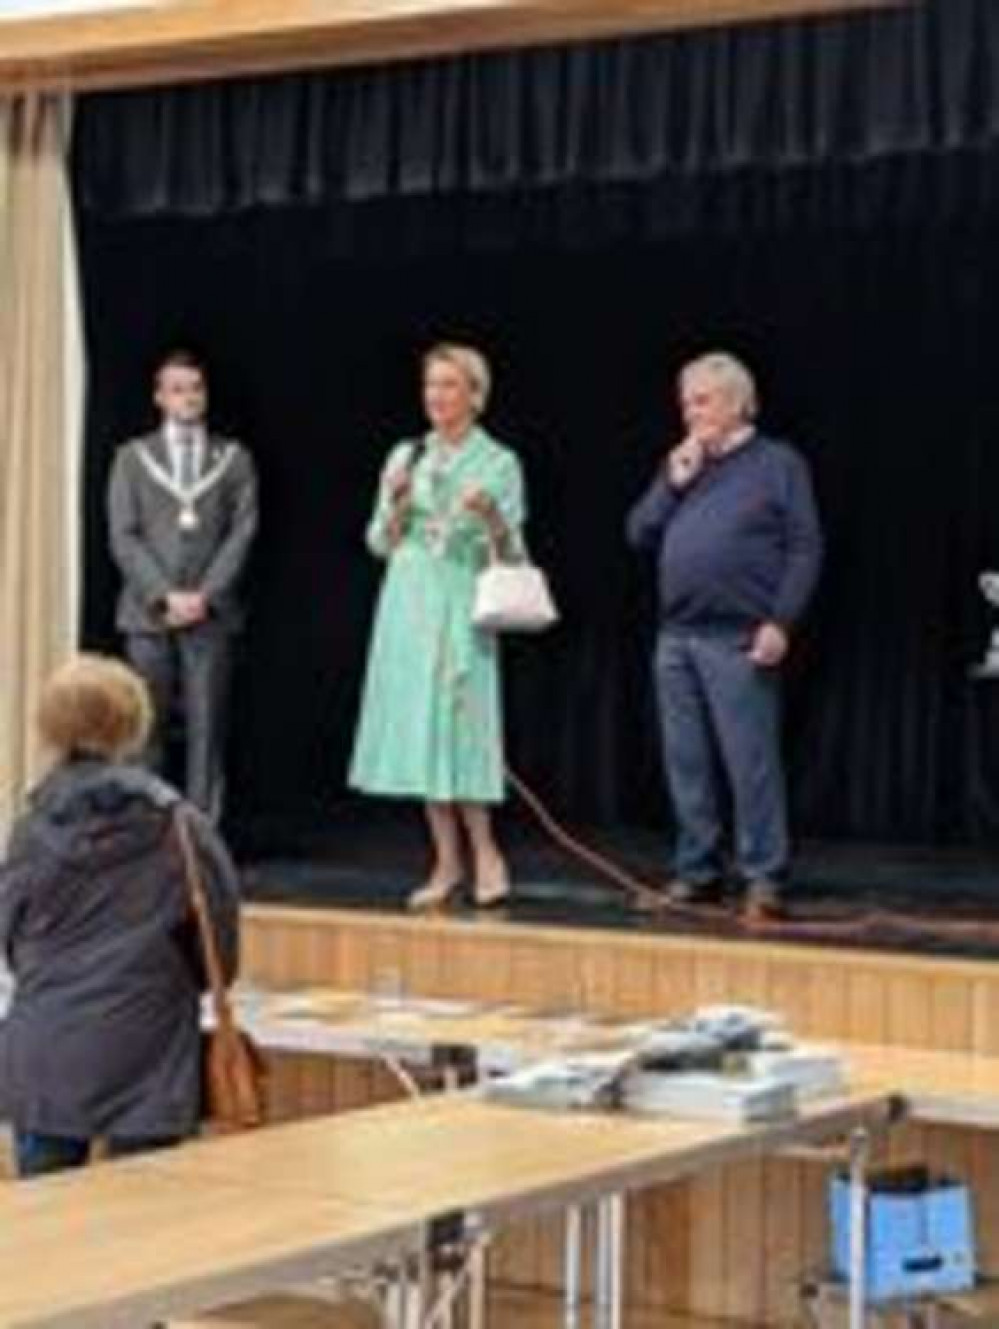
(720, 717)
(189, 668)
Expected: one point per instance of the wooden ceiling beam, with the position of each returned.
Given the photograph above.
(183, 40)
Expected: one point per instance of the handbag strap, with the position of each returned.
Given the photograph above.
(206, 930)
(517, 555)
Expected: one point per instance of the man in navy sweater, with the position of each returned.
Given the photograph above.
(732, 517)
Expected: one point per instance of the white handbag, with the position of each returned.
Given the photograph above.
(513, 597)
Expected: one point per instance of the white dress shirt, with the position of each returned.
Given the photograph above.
(176, 435)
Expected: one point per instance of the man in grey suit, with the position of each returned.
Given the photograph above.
(183, 513)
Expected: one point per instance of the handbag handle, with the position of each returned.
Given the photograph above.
(206, 931)
(515, 552)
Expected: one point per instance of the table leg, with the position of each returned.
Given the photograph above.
(477, 1288)
(616, 1271)
(609, 1264)
(860, 1145)
(573, 1267)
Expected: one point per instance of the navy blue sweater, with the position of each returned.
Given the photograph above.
(740, 546)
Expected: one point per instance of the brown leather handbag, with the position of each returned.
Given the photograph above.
(233, 1072)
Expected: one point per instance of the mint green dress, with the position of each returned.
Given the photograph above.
(431, 718)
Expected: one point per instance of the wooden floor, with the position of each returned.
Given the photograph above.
(507, 1310)
(527, 1310)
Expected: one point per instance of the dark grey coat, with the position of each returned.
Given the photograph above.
(102, 1034)
(156, 556)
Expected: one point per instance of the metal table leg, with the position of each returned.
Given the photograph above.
(860, 1146)
(609, 1264)
(573, 1267)
(477, 1289)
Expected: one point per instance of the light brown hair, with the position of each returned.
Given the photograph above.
(94, 706)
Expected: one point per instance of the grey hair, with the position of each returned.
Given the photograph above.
(728, 371)
(472, 363)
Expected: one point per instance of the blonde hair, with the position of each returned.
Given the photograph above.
(95, 706)
(471, 363)
(731, 374)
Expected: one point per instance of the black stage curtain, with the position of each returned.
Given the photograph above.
(877, 103)
(814, 196)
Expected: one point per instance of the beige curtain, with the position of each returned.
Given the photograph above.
(41, 381)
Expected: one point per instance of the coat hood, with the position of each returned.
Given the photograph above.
(99, 813)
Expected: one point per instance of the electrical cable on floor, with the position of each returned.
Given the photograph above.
(857, 928)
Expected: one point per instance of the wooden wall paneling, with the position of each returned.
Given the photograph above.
(951, 1014)
(909, 1006)
(711, 979)
(786, 991)
(635, 986)
(747, 975)
(780, 1239)
(666, 1275)
(742, 1240)
(826, 1002)
(985, 1017)
(674, 981)
(984, 1163)
(708, 1256)
(813, 1217)
(867, 1007)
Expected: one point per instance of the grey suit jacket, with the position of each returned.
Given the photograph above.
(156, 554)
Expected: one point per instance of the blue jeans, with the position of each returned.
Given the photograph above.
(720, 717)
(38, 1154)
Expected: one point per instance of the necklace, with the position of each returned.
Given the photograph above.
(440, 461)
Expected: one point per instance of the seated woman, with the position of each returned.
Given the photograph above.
(102, 1039)
(431, 724)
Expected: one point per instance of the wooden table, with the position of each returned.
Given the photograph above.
(119, 1245)
(937, 1088)
(168, 1232)
(420, 1031)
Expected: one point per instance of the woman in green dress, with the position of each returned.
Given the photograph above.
(431, 721)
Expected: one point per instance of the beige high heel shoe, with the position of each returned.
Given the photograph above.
(492, 889)
(433, 894)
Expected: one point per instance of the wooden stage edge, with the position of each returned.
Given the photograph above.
(914, 1001)
(163, 41)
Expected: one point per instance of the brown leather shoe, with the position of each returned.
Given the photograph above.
(762, 904)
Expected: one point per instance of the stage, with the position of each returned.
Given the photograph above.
(920, 900)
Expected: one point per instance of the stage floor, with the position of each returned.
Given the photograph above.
(938, 901)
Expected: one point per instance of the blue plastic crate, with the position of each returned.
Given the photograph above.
(920, 1234)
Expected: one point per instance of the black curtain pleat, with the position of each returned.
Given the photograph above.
(889, 90)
